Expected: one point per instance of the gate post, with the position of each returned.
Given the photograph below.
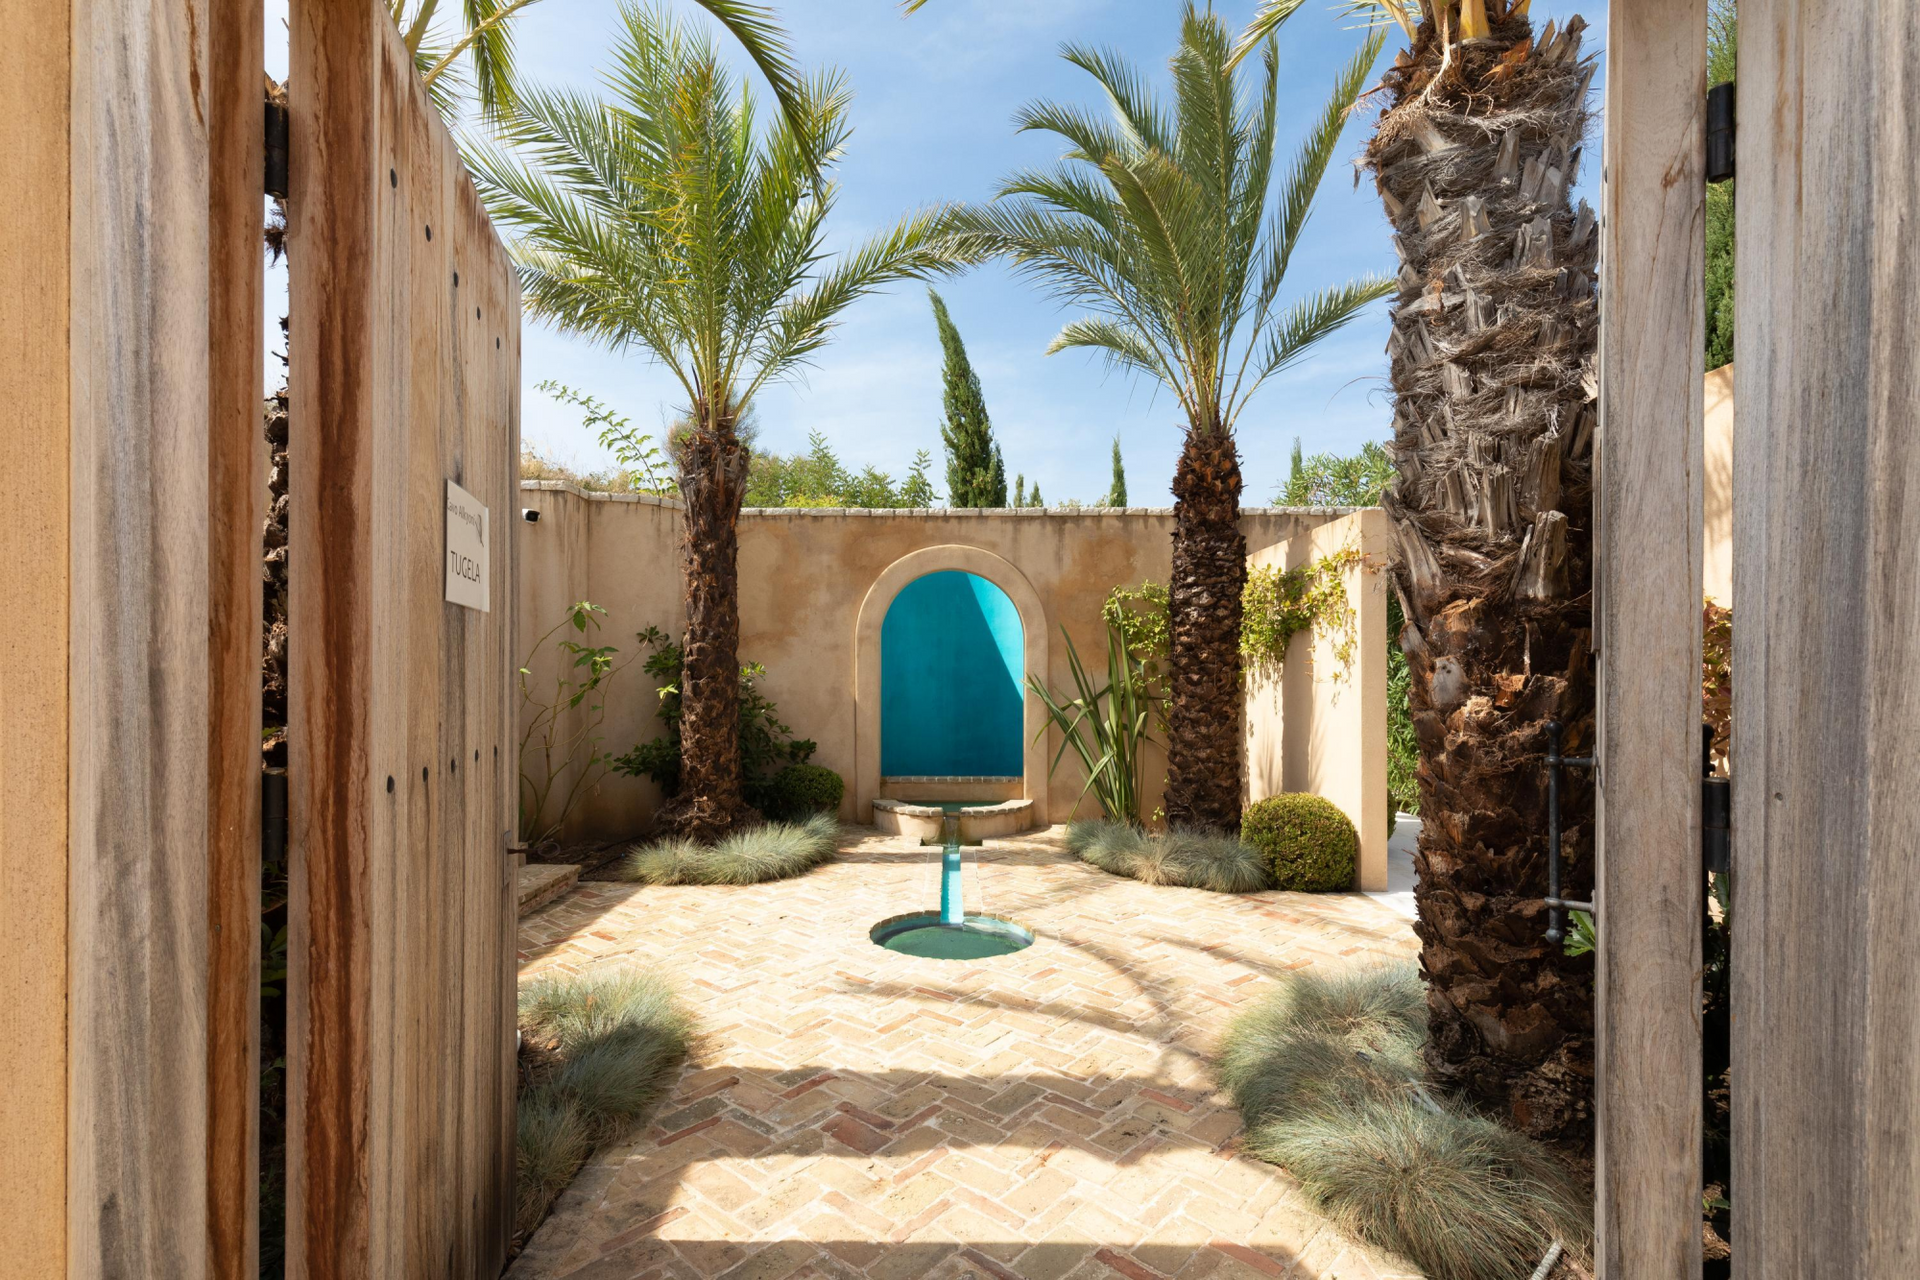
(1647, 546)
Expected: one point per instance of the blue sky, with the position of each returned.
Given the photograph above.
(934, 97)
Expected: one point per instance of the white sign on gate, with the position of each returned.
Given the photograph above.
(467, 539)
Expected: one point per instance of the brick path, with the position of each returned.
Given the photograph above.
(861, 1113)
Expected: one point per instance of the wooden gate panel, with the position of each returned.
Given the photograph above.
(405, 376)
(1826, 584)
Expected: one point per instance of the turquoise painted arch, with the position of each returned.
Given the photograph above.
(952, 679)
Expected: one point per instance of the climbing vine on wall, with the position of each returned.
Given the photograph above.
(1278, 604)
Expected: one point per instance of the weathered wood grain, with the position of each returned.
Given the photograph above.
(34, 299)
(405, 375)
(1826, 569)
(138, 825)
(1648, 548)
(235, 509)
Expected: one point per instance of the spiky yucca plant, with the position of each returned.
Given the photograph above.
(1165, 223)
(1492, 351)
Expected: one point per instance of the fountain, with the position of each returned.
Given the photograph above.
(952, 934)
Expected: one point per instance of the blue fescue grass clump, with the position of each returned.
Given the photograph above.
(1327, 1073)
(596, 1052)
(773, 851)
(1187, 859)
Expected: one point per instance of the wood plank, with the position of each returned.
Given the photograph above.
(237, 461)
(332, 516)
(424, 1192)
(1648, 549)
(34, 299)
(1827, 572)
(138, 823)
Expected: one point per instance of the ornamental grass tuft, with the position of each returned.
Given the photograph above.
(1220, 864)
(775, 851)
(1328, 1077)
(596, 1052)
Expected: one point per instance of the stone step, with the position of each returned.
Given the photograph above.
(542, 882)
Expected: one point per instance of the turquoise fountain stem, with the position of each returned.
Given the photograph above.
(952, 910)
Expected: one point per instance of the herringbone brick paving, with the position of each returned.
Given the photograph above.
(857, 1113)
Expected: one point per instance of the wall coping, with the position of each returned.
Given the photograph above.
(1023, 513)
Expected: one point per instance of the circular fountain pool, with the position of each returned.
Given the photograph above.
(978, 938)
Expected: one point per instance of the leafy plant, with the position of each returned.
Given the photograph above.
(818, 478)
(801, 790)
(552, 738)
(1582, 938)
(766, 743)
(1337, 480)
(1403, 746)
(1141, 615)
(1279, 604)
(1309, 843)
(644, 467)
(1106, 726)
(1716, 675)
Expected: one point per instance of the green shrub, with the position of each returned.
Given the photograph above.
(1308, 843)
(766, 742)
(1184, 859)
(598, 1051)
(800, 790)
(774, 851)
(1326, 1071)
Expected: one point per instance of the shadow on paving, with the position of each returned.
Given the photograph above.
(1022, 1151)
(959, 1260)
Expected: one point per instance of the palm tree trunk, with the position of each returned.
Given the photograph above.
(1492, 349)
(713, 481)
(1204, 602)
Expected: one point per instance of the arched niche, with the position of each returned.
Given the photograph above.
(866, 673)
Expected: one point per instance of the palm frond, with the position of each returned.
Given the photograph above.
(1267, 20)
(1404, 14)
(1156, 219)
(1312, 319)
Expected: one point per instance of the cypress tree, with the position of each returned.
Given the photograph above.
(997, 480)
(967, 431)
(1117, 495)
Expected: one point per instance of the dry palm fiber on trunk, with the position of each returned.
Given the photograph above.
(713, 480)
(1492, 350)
(1209, 579)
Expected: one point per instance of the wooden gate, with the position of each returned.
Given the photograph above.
(405, 376)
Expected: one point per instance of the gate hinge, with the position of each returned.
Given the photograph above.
(276, 144)
(1720, 132)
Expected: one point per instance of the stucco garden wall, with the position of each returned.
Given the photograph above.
(1320, 724)
(813, 581)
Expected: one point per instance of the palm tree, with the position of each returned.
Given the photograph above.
(1494, 331)
(1157, 222)
(666, 218)
(484, 40)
